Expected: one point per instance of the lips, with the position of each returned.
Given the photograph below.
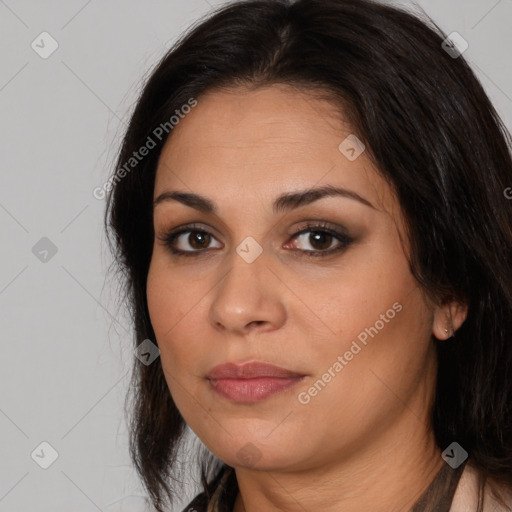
(250, 371)
(251, 382)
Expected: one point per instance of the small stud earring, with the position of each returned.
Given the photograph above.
(450, 332)
(449, 321)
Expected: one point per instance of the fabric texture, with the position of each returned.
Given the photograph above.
(437, 498)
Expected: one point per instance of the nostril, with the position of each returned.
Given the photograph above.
(255, 323)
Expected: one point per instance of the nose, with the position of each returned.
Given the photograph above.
(248, 298)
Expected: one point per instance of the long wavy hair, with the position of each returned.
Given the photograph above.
(433, 134)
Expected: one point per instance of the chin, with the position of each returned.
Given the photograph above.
(246, 452)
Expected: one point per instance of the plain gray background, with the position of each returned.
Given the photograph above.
(66, 350)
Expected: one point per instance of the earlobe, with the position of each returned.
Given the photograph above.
(448, 319)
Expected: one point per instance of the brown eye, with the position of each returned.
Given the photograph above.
(199, 239)
(316, 240)
(320, 240)
(188, 241)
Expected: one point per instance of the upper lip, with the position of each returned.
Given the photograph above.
(250, 370)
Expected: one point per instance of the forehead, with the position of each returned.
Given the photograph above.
(239, 144)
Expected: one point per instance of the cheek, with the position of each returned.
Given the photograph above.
(173, 314)
(363, 297)
(169, 299)
(380, 325)
(165, 312)
(381, 364)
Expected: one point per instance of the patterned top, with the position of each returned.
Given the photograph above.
(437, 498)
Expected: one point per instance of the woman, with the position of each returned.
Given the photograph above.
(310, 213)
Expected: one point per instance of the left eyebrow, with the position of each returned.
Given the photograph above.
(284, 202)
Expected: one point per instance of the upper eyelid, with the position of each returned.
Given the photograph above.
(308, 225)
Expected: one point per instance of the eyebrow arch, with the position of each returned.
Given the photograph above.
(284, 202)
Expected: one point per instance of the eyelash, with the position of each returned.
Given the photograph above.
(318, 227)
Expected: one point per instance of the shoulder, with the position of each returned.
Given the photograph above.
(465, 498)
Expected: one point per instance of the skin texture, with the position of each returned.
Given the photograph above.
(363, 442)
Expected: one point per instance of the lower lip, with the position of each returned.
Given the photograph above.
(252, 390)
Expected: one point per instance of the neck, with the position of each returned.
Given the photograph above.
(391, 474)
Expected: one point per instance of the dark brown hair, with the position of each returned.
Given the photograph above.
(432, 132)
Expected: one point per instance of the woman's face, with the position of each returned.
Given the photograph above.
(341, 312)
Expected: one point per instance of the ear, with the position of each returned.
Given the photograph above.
(448, 318)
